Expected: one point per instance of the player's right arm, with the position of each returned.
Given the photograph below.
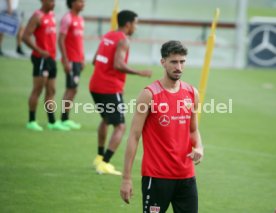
(64, 59)
(33, 23)
(94, 58)
(64, 27)
(139, 118)
(197, 153)
(9, 7)
(119, 60)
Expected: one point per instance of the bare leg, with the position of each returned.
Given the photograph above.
(38, 83)
(69, 95)
(19, 40)
(105, 167)
(1, 40)
(49, 97)
(50, 90)
(102, 133)
(114, 142)
(116, 137)
(19, 36)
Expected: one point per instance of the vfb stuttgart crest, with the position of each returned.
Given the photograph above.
(154, 209)
(188, 103)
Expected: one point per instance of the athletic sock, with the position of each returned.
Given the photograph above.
(108, 154)
(19, 50)
(64, 116)
(51, 117)
(31, 116)
(1, 52)
(101, 150)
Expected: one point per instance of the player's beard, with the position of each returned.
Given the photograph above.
(173, 76)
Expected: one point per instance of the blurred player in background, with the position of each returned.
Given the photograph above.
(10, 7)
(171, 139)
(107, 84)
(42, 25)
(71, 47)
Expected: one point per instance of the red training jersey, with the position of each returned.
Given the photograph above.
(166, 133)
(45, 33)
(106, 79)
(72, 26)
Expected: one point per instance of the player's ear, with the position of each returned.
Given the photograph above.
(162, 61)
(128, 24)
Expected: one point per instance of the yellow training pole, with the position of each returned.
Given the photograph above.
(207, 60)
(113, 21)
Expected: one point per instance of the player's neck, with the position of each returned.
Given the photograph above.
(170, 85)
(44, 10)
(122, 29)
(75, 12)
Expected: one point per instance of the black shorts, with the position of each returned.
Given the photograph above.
(110, 107)
(73, 77)
(159, 193)
(44, 67)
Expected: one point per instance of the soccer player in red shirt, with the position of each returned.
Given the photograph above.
(71, 48)
(107, 85)
(42, 25)
(167, 120)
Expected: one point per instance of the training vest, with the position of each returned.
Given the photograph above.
(73, 26)
(45, 34)
(166, 133)
(106, 79)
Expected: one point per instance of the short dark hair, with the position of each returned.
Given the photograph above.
(126, 16)
(69, 3)
(173, 47)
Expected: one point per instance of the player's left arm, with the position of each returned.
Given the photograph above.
(82, 62)
(94, 58)
(62, 48)
(64, 27)
(33, 24)
(197, 154)
(119, 60)
(9, 7)
(135, 132)
(83, 51)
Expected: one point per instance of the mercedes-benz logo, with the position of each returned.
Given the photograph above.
(263, 50)
(164, 120)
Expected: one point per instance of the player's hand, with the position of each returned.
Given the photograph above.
(145, 73)
(9, 11)
(44, 54)
(66, 65)
(93, 62)
(82, 65)
(196, 155)
(126, 190)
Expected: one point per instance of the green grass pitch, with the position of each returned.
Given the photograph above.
(52, 171)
